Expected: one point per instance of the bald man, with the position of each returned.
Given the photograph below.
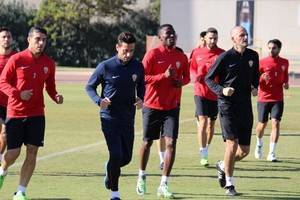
(237, 72)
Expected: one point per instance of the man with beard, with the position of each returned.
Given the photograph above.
(205, 100)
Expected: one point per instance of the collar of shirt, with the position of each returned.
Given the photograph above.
(165, 49)
(119, 62)
(28, 53)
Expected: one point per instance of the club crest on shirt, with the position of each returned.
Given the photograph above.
(178, 64)
(134, 77)
(198, 58)
(282, 67)
(46, 69)
(250, 63)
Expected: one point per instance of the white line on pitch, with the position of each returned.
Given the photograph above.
(80, 148)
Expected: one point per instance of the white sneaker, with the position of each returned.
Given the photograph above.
(271, 157)
(258, 152)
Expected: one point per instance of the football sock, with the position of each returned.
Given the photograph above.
(272, 147)
(259, 141)
(115, 194)
(229, 180)
(164, 180)
(161, 156)
(142, 173)
(21, 189)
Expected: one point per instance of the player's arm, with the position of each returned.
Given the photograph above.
(8, 76)
(148, 63)
(214, 71)
(51, 87)
(95, 79)
(193, 68)
(255, 75)
(185, 73)
(140, 88)
(286, 76)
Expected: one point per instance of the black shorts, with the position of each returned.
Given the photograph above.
(275, 109)
(2, 113)
(158, 123)
(206, 107)
(236, 122)
(28, 130)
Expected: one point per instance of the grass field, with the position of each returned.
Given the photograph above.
(70, 165)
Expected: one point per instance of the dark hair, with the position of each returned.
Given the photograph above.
(37, 29)
(277, 42)
(212, 30)
(202, 34)
(3, 28)
(164, 26)
(126, 37)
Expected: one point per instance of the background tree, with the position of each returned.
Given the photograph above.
(83, 32)
(16, 17)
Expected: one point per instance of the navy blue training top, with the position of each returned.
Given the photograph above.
(121, 83)
(236, 70)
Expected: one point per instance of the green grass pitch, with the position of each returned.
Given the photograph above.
(70, 166)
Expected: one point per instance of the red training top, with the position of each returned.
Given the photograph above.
(24, 72)
(202, 60)
(3, 61)
(161, 92)
(277, 69)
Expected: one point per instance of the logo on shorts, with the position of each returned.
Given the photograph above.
(178, 64)
(282, 67)
(134, 77)
(250, 63)
(46, 69)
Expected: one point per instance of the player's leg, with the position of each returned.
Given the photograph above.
(2, 131)
(34, 138)
(110, 129)
(202, 118)
(170, 130)
(151, 131)
(276, 114)
(161, 148)
(15, 133)
(263, 110)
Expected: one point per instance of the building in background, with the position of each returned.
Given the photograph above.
(270, 19)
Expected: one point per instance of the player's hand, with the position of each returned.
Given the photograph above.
(266, 77)
(169, 72)
(228, 91)
(59, 99)
(138, 103)
(26, 94)
(254, 92)
(199, 79)
(177, 83)
(286, 86)
(105, 103)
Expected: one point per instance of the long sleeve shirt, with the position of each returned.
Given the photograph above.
(239, 71)
(161, 92)
(277, 69)
(202, 60)
(3, 61)
(121, 83)
(25, 72)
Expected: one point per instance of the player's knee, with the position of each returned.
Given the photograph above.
(115, 158)
(170, 143)
(147, 143)
(126, 160)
